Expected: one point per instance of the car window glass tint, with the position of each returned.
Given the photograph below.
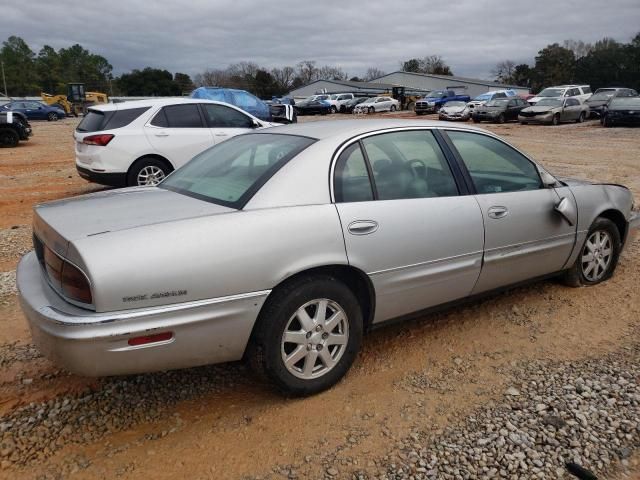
(122, 118)
(219, 116)
(494, 166)
(160, 119)
(92, 121)
(183, 116)
(352, 183)
(409, 165)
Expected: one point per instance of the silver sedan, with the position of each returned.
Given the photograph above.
(285, 245)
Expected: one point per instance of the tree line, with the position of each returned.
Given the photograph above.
(606, 62)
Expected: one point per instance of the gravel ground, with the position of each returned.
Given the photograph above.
(587, 413)
(7, 284)
(15, 242)
(13, 352)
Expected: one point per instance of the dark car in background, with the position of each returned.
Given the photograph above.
(599, 100)
(349, 105)
(35, 110)
(13, 127)
(499, 110)
(622, 111)
(312, 107)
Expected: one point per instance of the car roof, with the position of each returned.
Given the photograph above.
(151, 102)
(326, 129)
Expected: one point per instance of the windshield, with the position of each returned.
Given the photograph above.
(438, 94)
(322, 97)
(334, 97)
(625, 102)
(230, 173)
(551, 92)
(455, 104)
(484, 97)
(607, 94)
(501, 102)
(549, 102)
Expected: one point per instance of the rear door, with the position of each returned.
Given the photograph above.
(571, 110)
(226, 122)
(524, 236)
(406, 223)
(178, 133)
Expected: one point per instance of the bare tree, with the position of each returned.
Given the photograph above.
(578, 47)
(327, 72)
(434, 64)
(284, 77)
(373, 72)
(307, 71)
(211, 78)
(503, 71)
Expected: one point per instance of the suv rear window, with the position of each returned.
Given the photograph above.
(96, 120)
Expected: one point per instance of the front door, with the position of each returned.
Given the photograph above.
(178, 133)
(524, 236)
(404, 222)
(226, 122)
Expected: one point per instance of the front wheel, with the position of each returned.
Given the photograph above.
(598, 257)
(333, 109)
(393, 108)
(147, 172)
(307, 336)
(556, 119)
(580, 118)
(371, 110)
(52, 116)
(8, 138)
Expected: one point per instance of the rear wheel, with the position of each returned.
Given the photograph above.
(598, 257)
(393, 108)
(52, 116)
(8, 138)
(308, 335)
(148, 171)
(334, 109)
(501, 118)
(581, 118)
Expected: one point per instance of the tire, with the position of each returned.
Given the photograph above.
(334, 109)
(580, 273)
(580, 118)
(475, 120)
(523, 123)
(9, 138)
(393, 108)
(501, 118)
(52, 116)
(268, 350)
(419, 113)
(151, 168)
(556, 119)
(371, 110)
(606, 123)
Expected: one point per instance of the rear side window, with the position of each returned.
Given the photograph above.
(96, 120)
(219, 116)
(178, 116)
(352, 182)
(586, 89)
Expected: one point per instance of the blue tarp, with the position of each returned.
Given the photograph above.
(240, 98)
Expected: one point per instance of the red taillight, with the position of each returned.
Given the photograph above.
(158, 337)
(100, 140)
(72, 283)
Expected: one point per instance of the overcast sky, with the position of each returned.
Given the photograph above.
(471, 35)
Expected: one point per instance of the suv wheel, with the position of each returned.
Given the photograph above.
(8, 138)
(308, 335)
(333, 109)
(147, 171)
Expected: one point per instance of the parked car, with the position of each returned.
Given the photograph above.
(481, 100)
(580, 92)
(500, 110)
(622, 111)
(349, 105)
(434, 100)
(13, 127)
(238, 98)
(312, 107)
(377, 104)
(599, 100)
(249, 252)
(141, 142)
(324, 97)
(35, 110)
(338, 99)
(453, 111)
(555, 111)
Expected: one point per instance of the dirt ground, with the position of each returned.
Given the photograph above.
(244, 429)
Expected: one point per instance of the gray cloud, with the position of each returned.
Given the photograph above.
(471, 35)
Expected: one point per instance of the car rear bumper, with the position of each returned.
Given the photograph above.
(103, 178)
(97, 344)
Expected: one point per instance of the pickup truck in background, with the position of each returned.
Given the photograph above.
(436, 99)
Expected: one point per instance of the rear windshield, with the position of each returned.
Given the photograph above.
(231, 172)
(625, 102)
(96, 120)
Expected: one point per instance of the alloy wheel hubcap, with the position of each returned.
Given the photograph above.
(596, 255)
(150, 175)
(315, 339)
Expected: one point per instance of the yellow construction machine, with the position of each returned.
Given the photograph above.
(76, 100)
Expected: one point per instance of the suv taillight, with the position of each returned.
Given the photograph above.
(101, 140)
(72, 282)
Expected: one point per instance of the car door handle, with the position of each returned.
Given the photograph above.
(498, 212)
(362, 227)
(162, 134)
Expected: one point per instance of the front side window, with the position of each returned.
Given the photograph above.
(352, 182)
(493, 165)
(231, 172)
(221, 116)
(409, 165)
(181, 116)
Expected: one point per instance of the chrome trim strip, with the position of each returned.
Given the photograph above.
(531, 242)
(430, 262)
(96, 318)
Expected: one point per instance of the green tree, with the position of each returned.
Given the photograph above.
(412, 65)
(555, 65)
(19, 67)
(49, 72)
(148, 82)
(184, 82)
(604, 65)
(80, 65)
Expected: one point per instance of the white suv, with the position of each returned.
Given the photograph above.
(580, 92)
(337, 100)
(140, 142)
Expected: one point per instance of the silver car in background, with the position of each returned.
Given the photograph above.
(285, 245)
(554, 111)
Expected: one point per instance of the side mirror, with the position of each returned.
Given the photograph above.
(255, 124)
(565, 208)
(548, 180)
